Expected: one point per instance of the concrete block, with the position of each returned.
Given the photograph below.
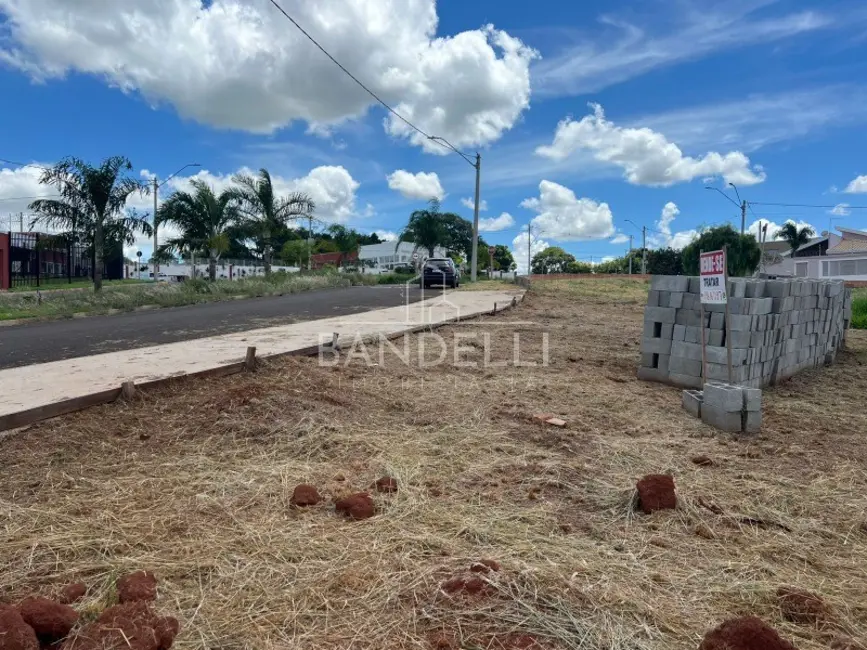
(647, 359)
(651, 330)
(695, 285)
(688, 318)
(714, 337)
(722, 420)
(756, 289)
(752, 400)
(675, 299)
(690, 301)
(684, 381)
(778, 289)
(670, 282)
(719, 354)
(737, 288)
(740, 339)
(682, 366)
(753, 422)
(663, 299)
(741, 323)
(679, 333)
(652, 374)
(760, 306)
(666, 331)
(693, 334)
(662, 361)
(656, 346)
(717, 321)
(685, 350)
(724, 396)
(738, 306)
(719, 372)
(692, 402)
(660, 314)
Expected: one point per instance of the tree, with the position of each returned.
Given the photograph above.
(794, 236)
(264, 213)
(203, 219)
(664, 261)
(578, 267)
(346, 239)
(294, 252)
(551, 260)
(425, 229)
(503, 259)
(92, 204)
(743, 250)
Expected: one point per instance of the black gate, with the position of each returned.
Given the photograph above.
(41, 261)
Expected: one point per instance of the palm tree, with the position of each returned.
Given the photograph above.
(796, 237)
(91, 204)
(425, 228)
(264, 213)
(203, 219)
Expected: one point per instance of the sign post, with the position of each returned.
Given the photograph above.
(714, 291)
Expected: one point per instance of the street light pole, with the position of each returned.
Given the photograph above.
(630, 254)
(157, 186)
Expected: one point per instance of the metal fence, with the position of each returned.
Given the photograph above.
(39, 260)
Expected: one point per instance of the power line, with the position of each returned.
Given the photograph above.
(24, 198)
(21, 164)
(804, 205)
(441, 141)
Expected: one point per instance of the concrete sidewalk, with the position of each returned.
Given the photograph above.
(35, 392)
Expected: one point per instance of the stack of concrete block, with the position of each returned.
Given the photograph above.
(777, 328)
(726, 407)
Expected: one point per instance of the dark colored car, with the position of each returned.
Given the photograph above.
(441, 271)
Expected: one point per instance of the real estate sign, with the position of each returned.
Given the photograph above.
(713, 278)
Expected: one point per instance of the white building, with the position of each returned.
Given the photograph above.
(841, 257)
(382, 258)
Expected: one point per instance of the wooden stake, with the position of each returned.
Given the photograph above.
(250, 361)
(703, 335)
(728, 318)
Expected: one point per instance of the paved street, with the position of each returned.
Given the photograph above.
(52, 341)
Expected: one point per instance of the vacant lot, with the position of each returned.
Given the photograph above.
(194, 483)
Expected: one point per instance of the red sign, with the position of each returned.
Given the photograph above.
(713, 277)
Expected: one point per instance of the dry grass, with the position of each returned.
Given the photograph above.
(194, 484)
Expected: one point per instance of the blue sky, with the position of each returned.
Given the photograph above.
(586, 114)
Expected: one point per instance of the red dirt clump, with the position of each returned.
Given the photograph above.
(484, 566)
(304, 496)
(656, 492)
(386, 485)
(141, 585)
(356, 506)
(799, 606)
(702, 461)
(72, 593)
(131, 626)
(15, 634)
(49, 619)
(474, 586)
(746, 633)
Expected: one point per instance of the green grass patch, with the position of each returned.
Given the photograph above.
(601, 290)
(59, 284)
(395, 278)
(128, 297)
(859, 309)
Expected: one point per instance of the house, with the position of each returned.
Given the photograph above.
(321, 260)
(842, 256)
(381, 258)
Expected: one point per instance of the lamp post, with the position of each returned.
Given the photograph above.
(742, 205)
(157, 186)
(643, 247)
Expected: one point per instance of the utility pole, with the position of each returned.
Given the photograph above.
(529, 252)
(309, 242)
(630, 254)
(155, 265)
(475, 266)
(743, 216)
(20, 222)
(643, 250)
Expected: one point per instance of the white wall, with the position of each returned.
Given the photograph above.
(386, 255)
(812, 267)
(175, 271)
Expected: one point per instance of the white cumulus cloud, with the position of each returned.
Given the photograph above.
(646, 156)
(857, 186)
(564, 217)
(422, 186)
(240, 64)
(663, 237)
(471, 204)
(840, 210)
(495, 224)
(522, 255)
(774, 228)
(386, 235)
(619, 238)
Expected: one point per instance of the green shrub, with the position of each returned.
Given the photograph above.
(395, 278)
(859, 313)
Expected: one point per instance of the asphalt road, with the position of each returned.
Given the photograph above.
(22, 345)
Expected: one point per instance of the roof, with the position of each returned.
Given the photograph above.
(849, 246)
(851, 231)
(786, 250)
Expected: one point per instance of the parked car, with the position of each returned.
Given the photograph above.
(440, 270)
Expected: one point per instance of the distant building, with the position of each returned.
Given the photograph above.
(841, 256)
(321, 260)
(381, 258)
